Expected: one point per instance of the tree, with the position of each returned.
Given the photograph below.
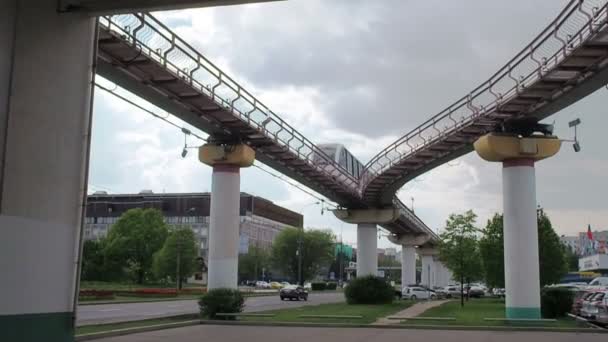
(177, 258)
(553, 263)
(317, 251)
(459, 250)
(571, 259)
(552, 260)
(492, 253)
(92, 260)
(252, 263)
(133, 240)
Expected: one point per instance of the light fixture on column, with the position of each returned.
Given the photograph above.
(186, 134)
(576, 145)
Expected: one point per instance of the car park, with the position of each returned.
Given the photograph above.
(451, 291)
(417, 292)
(601, 316)
(476, 291)
(275, 285)
(293, 292)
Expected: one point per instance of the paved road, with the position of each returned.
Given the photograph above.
(248, 333)
(108, 313)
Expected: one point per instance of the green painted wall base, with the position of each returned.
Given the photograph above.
(56, 327)
(528, 313)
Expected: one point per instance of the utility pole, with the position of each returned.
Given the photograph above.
(299, 254)
(178, 279)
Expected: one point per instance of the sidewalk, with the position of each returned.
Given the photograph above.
(412, 311)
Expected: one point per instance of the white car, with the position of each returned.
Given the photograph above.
(262, 284)
(452, 291)
(598, 283)
(308, 286)
(417, 292)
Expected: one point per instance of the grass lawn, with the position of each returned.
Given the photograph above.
(103, 285)
(370, 313)
(97, 328)
(474, 312)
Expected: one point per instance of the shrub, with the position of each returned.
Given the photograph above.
(369, 290)
(331, 286)
(556, 302)
(318, 286)
(221, 301)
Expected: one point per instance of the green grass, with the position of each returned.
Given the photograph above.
(474, 312)
(97, 328)
(370, 313)
(126, 299)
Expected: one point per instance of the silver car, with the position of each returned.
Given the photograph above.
(591, 306)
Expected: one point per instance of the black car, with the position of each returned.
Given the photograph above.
(293, 292)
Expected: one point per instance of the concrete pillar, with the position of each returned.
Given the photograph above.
(46, 68)
(224, 227)
(427, 276)
(518, 155)
(226, 161)
(408, 265)
(522, 281)
(367, 249)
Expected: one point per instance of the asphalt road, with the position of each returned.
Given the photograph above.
(299, 334)
(109, 313)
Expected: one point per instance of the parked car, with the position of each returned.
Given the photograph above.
(577, 303)
(498, 292)
(293, 292)
(308, 286)
(476, 291)
(601, 316)
(417, 292)
(451, 291)
(262, 284)
(598, 283)
(284, 283)
(275, 285)
(590, 307)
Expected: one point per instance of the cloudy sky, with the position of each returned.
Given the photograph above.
(362, 73)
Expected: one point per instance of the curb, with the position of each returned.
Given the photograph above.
(157, 300)
(418, 326)
(128, 331)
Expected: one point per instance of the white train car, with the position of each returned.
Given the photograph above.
(339, 154)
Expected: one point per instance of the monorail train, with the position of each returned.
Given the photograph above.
(340, 155)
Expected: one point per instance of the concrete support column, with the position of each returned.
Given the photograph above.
(427, 276)
(224, 227)
(408, 265)
(367, 249)
(518, 156)
(46, 68)
(224, 223)
(522, 280)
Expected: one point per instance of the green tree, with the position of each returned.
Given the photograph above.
(571, 259)
(459, 250)
(133, 240)
(177, 258)
(553, 263)
(492, 253)
(552, 260)
(92, 260)
(252, 263)
(317, 251)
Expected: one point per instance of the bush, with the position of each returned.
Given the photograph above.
(221, 301)
(556, 302)
(331, 286)
(318, 286)
(369, 290)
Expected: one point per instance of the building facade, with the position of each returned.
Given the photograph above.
(260, 220)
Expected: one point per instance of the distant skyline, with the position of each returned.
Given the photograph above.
(361, 73)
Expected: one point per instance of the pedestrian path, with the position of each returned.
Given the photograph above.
(412, 311)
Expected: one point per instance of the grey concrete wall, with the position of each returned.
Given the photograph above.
(7, 34)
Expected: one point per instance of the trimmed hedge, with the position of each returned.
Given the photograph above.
(369, 290)
(318, 286)
(555, 302)
(221, 301)
(331, 286)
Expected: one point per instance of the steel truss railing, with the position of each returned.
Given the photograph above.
(410, 216)
(576, 23)
(153, 39)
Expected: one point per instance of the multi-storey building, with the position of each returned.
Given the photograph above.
(260, 219)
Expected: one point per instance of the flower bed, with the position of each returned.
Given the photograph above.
(151, 292)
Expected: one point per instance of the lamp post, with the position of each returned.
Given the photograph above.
(299, 249)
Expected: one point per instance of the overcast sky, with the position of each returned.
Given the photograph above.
(362, 73)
